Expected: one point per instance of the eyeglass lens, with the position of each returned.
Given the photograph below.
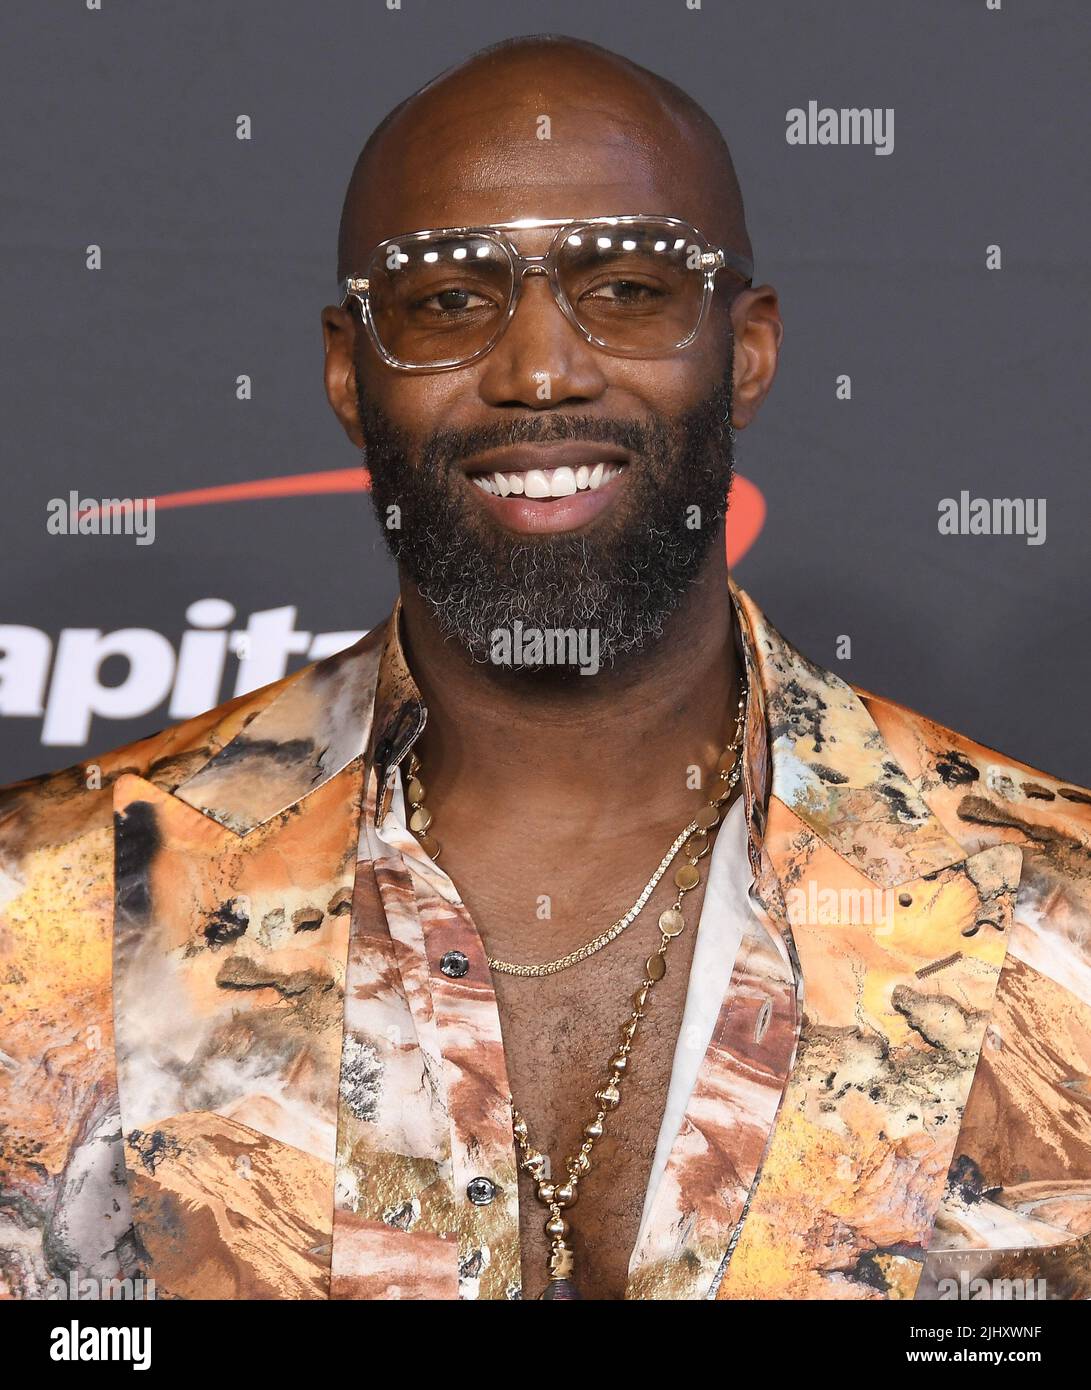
(635, 288)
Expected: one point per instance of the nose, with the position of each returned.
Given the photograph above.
(541, 360)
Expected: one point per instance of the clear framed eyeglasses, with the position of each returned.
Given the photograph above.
(634, 286)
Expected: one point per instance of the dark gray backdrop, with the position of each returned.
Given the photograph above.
(219, 253)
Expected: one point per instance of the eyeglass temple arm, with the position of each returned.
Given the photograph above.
(351, 285)
(729, 260)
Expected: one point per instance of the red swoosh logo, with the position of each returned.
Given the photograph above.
(746, 517)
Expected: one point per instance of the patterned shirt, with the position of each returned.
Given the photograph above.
(232, 1061)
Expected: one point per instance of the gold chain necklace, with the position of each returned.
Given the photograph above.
(558, 1197)
(689, 837)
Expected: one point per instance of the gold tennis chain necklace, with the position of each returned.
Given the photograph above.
(694, 840)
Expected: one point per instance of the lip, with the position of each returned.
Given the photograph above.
(546, 516)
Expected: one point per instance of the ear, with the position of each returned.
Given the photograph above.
(339, 336)
(755, 320)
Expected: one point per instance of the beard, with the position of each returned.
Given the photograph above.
(620, 579)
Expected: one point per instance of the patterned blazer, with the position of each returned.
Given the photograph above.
(229, 1062)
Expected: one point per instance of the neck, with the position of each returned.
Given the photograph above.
(621, 739)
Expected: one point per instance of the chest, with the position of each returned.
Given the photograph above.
(561, 1034)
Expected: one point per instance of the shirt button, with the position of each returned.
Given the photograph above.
(481, 1191)
(454, 965)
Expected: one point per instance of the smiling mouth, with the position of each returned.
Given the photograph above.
(537, 489)
(542, 484)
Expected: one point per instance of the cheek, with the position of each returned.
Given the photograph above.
(419, 403)
(670, 386)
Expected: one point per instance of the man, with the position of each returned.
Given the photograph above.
(572, 935)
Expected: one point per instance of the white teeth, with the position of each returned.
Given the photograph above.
(541, 483)
(562, 483)
(536, 484)
(601, 475)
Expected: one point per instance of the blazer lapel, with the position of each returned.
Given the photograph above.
(232, 914)
(900, 938)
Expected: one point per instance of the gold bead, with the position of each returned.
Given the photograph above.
(609, 1097)
(640, 998)
(415, 791)
(687, 877)
(696, 845)
(671, 922)
(420, 820)
(656, 967)
(430, 845)
(556, 1226)
(565, 1195)
(546, 1192)
(707, 817)
(593, 1130)
(721, 791)
(619, 1062)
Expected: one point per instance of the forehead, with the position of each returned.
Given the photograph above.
(491, 156)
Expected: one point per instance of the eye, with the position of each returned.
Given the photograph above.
(452, 302)
(624, 292)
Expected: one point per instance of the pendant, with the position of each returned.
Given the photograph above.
(561, 1261)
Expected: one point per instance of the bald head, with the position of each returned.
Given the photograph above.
(543, 126)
